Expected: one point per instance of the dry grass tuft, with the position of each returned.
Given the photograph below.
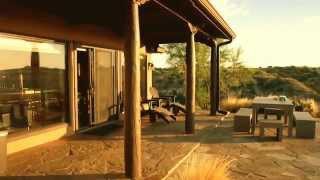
(233, 104)
(206, 169)
(311, 106)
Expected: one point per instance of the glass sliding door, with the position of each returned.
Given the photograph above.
(105, 85)
(85, 87)
(119, 80)
(100, 85)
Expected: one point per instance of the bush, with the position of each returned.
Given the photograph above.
(233, 104)
(206, 169)
(309, 105)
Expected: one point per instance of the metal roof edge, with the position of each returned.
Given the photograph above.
(207, 6)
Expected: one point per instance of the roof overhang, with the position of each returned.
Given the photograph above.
(215, 16)
(165, 21)
(158, 25)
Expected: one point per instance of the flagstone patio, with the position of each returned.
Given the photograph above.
(254, 159)
(99, 153)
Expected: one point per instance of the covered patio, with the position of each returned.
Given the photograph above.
(196, 21)
(126, 25)
(99, 154)
(166, 150)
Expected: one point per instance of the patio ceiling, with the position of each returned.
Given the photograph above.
(169, 25)
(158, 24)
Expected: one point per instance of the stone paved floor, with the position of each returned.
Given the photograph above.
(100, 154)
(255, 159)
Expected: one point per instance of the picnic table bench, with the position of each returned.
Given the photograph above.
(277, 124)
(266, 102)
(306, 125)
(273, 111)
(242, 120)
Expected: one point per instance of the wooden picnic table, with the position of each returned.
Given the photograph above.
(268, 102)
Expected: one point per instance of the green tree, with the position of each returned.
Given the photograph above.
(177, 57)
(232, 72)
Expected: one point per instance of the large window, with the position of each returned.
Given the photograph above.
(32, 83)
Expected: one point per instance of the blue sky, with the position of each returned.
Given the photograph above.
(272, 32)
(275, 32)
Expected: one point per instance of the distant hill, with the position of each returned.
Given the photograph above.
(289, 81)
(306, 75)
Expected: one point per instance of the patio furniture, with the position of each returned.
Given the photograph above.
(164, 114)
(5, 115)
(277, 124)
(6, 121)
(273, 111)
(168, 102)
(148, 107)
(269, 102)
(177, 107)
(163, 101)
(115, 111)
(19, 115)
(306, 125)
(33, 111)
(242, 120)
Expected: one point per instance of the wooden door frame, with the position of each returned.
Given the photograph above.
(75, 101)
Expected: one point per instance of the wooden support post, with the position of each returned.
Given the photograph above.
(214, 79)
(290, 125)
(191, 81)
(218, 80)
(132, 124)
(72, 86)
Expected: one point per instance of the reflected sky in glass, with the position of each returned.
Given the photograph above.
(16, 53)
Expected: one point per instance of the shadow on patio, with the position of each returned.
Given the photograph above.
(100, 152)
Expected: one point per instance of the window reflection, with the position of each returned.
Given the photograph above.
(32, 83)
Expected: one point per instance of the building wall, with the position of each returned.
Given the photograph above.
(35, 23)
(149, 75)
(143, 76)
(146, 68)
(24, 141)
(39, 24)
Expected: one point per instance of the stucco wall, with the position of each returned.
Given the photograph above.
(23, 141)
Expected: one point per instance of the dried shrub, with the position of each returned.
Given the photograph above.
(233, 104)
(309, 105)
(206, 169)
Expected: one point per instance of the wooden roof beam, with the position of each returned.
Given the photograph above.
(180, 17)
